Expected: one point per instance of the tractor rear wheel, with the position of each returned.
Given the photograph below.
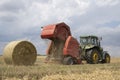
(107, 58)
(68, 61)
(93, 56)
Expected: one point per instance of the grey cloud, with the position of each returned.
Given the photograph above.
(98, 16)
(43, 1)
(12, 6)
(8, 19)
(103, 3)
(111, 24)
(112, 38)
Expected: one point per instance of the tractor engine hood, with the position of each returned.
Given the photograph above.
(87, 46)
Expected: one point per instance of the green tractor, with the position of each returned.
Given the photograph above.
(92, 51)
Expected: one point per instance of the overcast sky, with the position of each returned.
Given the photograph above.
(22, 19)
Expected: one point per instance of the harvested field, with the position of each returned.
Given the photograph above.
(42, 71)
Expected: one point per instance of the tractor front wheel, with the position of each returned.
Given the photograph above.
(68, 61)
(107, 58)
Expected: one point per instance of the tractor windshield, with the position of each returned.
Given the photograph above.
(89, 40)
(85, 41)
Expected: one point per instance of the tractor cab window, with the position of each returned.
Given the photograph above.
(83, 41)
(94, 41)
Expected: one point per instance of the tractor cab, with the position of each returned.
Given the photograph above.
(89, 41)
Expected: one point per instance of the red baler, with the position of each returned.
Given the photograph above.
(63, 47)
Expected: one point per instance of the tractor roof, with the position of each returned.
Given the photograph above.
(92, 36)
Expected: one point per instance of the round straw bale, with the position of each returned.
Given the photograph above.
(20, 53)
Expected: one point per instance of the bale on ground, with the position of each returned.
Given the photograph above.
(20, 53)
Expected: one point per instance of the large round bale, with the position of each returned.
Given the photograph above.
(20, 53)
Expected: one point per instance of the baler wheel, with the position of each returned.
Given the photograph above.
(68, 61)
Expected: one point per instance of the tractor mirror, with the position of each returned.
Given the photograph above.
(41, 28)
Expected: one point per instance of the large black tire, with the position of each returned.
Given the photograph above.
(92, 56)
(107, 58)
(68, 61)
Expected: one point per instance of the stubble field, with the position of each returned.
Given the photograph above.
(42, 71)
